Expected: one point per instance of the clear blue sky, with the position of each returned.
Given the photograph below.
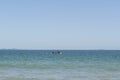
(60, 24)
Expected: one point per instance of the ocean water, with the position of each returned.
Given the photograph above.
(71, 65)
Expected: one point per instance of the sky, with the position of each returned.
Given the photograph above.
(60, 24)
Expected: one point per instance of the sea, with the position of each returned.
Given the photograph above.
(70, 65)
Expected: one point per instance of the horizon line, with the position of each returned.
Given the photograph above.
(54, 49)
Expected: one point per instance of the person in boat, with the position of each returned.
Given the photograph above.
(56, 52)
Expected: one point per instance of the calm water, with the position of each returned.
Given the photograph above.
(71, 65)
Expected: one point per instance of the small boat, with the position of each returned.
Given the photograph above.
(56, 52)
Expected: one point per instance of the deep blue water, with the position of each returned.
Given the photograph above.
(71, 65)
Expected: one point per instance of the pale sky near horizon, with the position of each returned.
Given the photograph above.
(60, 24)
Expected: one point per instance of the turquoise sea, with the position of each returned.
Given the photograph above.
(71, 65)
